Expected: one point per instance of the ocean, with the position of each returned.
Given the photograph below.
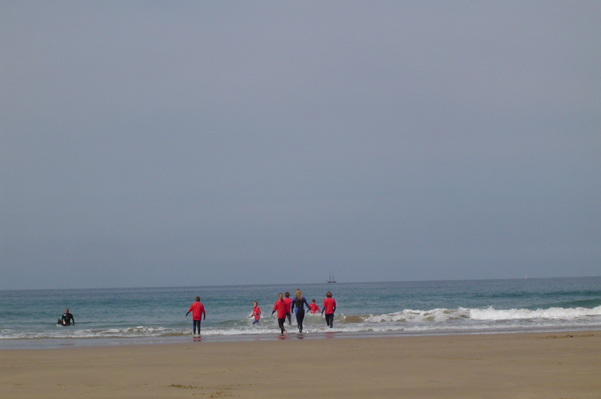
(156, 315)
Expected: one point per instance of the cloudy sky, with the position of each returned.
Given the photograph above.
(214, 143)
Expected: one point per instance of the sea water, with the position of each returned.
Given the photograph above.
(156, 315)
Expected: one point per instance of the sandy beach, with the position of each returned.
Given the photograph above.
(533, 365)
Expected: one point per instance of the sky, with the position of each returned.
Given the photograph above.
(196, 143)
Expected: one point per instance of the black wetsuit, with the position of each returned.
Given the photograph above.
(300, 311)
(67, 319)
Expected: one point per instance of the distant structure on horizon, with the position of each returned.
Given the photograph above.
(331, 280)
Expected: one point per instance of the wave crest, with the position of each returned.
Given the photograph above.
(526, 314)
(442, 315)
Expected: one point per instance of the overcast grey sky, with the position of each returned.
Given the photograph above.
(208, 143)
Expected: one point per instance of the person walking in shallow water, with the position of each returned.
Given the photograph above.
(198, 312)
(288, 304)
(256, 312)
(281, 307)
(329, 306)
(314, 307)
(299, 301)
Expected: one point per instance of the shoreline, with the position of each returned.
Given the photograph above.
(61, 343)
(42, 344)
(548, 365)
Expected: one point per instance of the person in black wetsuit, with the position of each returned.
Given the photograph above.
(67, 319)
(299, 301)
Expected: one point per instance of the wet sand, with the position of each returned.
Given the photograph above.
(532, 365)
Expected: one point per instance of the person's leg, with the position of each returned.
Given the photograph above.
(330, 320)
(289, 318)
(281, 324)
(300, 315)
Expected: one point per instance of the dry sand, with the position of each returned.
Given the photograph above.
(553, 366)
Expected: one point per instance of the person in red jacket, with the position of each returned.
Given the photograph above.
(329, 306)
(198, 312)
(314, 307)
(256, 312)
(289, 304)
(281, 307)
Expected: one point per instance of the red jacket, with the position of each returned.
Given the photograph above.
(329, 304)
(282, 307)
(288, 304)
(197, 310)
(257, 312)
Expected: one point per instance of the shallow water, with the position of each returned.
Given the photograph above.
(156, 315)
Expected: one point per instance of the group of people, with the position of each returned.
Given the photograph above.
(284, 307)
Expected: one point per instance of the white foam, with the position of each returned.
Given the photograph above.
(410, 315)
(526, 314)
(408, 320)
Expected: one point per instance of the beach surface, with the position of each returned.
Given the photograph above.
(532, 365)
